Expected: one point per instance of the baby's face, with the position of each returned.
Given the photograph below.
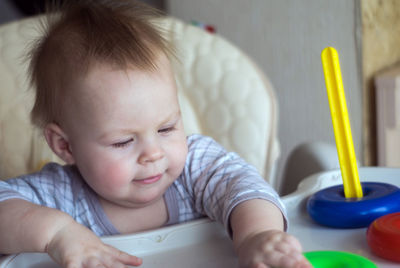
(126, 134)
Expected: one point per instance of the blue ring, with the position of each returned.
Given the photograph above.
(329, 206)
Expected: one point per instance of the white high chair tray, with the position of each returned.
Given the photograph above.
(199, 243)
(203, 243)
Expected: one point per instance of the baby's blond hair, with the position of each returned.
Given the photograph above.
(121, 33)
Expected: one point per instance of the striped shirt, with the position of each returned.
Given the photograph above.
(211, 184)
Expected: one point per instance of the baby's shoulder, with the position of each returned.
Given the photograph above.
(198, 142)
(51, 176)
(59, 173)
(54, 186)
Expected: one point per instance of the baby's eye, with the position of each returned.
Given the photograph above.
(166, 130)
(122, 143)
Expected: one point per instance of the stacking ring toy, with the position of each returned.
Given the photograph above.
(337, 259)
(383, 237)
(331, 208)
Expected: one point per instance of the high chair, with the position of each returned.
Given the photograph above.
(222, 94)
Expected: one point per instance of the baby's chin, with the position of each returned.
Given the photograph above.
(131, 204)
(138, 204)
(148, 198)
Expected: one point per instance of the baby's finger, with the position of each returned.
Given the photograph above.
(130, 259)
(126, 258)
(261, 265)
(285, 248)
(278, 259)
(304, 264)
(291, 240)
(295, 259)
(92, 262)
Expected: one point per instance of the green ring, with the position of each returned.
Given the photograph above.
(337, 259)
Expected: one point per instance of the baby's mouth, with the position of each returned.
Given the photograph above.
(149, 180)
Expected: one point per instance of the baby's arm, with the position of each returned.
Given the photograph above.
(26, 227)
(259, 239)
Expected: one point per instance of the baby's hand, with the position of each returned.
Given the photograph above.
(271, 248)
(76, 246)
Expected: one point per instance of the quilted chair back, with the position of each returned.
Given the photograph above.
(222, 95)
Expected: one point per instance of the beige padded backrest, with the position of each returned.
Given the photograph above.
(222, 94)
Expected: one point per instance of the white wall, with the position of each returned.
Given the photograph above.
(286, 37)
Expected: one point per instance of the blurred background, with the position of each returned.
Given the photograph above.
(285, 38)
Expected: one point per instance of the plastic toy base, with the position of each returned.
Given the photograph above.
(329, 206)
(383, 237)
(337, 259)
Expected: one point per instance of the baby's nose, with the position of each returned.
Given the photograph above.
(151, 153)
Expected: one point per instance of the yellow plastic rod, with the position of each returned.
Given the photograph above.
(341, 124)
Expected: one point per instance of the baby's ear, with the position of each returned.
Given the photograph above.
(58, 142)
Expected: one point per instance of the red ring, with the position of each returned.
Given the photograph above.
(383, 236)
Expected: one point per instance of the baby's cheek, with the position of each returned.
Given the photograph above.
(115, 176)
(178, 159)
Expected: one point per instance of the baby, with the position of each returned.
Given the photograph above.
(107, 102)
